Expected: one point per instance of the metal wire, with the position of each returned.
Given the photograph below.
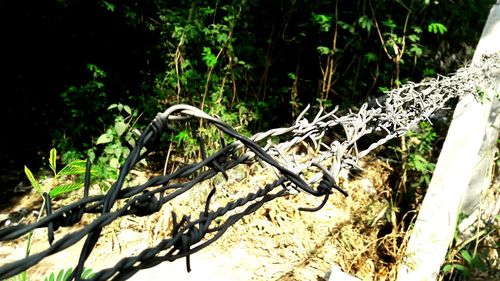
(334, 138)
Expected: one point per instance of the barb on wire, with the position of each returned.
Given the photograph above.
(385, 119)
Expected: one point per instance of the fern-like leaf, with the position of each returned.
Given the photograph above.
(64, 188)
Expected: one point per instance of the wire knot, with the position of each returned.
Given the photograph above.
(146, 204)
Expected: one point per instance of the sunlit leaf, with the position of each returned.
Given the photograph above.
(68, 273)
(104, 138)
(114, 163)
(127, 109)
(466, 255)
(77, 167)
(60, 276)
(87, 273)
(53, 160)
(120, 128)
(64, 188)
(32, 180)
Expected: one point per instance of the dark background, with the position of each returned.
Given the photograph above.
(45, 48)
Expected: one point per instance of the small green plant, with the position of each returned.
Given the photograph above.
(467, 257)
(54, 187)
(482, 95)
(469, 263)
(57, 185)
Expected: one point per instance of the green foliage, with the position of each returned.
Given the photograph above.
(323, 21)
(469, 257)
(109, 6)
(366, 23)
(209, 58)
(81, 104)
(420, 148)
(189, 143)
(113, 147)
(234, 59)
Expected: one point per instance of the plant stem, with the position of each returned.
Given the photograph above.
(30, 237)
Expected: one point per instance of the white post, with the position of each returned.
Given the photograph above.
(463, 171)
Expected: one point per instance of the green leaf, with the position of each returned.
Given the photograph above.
(112, 106)
(32, 180)
(436, 27)
(68, 273)
(64, 188)
(87, 273)
(109, 149)
(77, 167)
(127, 109)
(365, 23)
(118, 152)
(371, 57)
(182, 136)
(110, 7)
(417, 29)
(323, 21)
(222, 38)
(131, 141)
(466, 255)
(447, 268)
(383, 90)
(209, 58)
(346, 26)
(323, 50)
(53, 160)
(460, 267)
(104, 138)
(96, 71)
(389, 23)
(60, 276)
(416, 50)
(429, 72)
(414, 37)
(120, 128)
(114, 163)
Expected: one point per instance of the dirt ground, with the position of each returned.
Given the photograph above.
(356, 235)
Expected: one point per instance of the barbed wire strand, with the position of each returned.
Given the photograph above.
(383, 119)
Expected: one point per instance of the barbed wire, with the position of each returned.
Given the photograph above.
(334, 139)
